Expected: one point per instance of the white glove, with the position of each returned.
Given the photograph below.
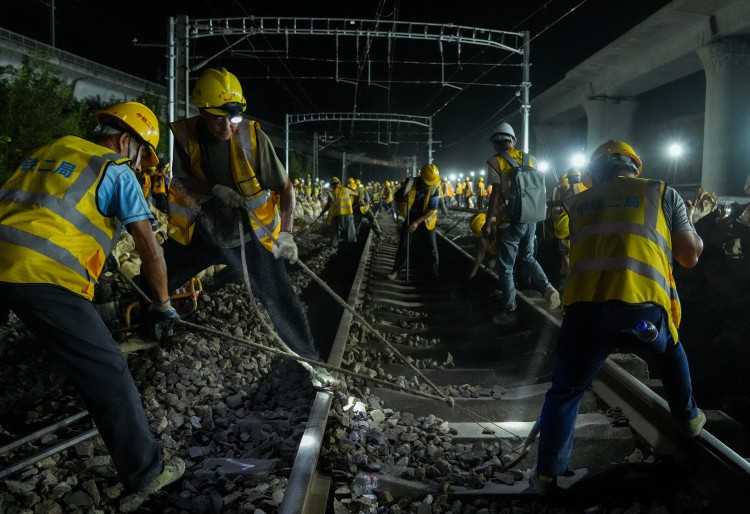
(285, 247)
(228, 196)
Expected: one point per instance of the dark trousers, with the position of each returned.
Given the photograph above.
(269, 281)
(589, 333)
(72, 331)
(429, 241)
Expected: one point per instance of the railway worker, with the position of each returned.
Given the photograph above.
(485, 243)
(144, 179)
(418, 204)
(624, 232)
(448, 192)
(481, 193)
(460, 193)
(575, 186)
(514, 240)
(468, 193)
(388, 200)
(160, 186)
(227, 173)
(554, 206)
(363, 209)
(60, 216)
(340, 214)
(442, 201)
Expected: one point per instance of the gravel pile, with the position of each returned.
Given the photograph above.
(235, 415)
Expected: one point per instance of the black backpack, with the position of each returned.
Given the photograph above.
(527, 194)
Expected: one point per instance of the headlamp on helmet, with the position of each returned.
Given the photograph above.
(220, 93)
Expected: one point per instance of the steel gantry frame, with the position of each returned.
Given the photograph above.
(295, 119)
(182, 30)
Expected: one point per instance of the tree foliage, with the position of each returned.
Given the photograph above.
(35, 106)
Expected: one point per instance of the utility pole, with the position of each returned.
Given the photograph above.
(51, 5)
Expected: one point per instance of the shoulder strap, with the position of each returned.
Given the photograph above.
(510, 160)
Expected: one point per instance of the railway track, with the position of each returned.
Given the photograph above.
(460, 425)
(627, 447)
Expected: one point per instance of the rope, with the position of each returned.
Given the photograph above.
(356, 316)
(251, 297)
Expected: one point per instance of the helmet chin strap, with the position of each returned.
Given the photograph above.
(134, 159)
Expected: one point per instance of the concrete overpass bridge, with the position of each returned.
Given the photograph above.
(681, 75)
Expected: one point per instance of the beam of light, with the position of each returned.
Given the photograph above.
(577, 160)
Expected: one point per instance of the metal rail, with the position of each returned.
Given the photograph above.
(307, 490)
(36, 457)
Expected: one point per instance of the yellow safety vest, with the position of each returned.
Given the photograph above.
(621, 247)
(159, 184)
(51, 229)
(405, 207)
(144, 179)
(243, 149)
(388, 192)
(342, 203)
(459, 189)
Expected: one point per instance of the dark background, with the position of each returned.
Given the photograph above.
(295, 74)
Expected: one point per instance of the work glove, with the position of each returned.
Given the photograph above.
(285, 247)
(160, 319)
(228, 196)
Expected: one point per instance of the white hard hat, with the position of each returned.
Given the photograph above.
(503, 132)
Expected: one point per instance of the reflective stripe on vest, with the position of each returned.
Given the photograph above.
(51, 230)
(341, 204)
(243, 155)
(431, 221)
(621, 247)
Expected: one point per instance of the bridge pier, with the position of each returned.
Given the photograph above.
(609, 118)
(726, 149)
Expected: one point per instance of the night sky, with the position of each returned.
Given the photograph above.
(563, 33)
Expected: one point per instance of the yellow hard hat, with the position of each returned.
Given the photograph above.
(336, 179)
(481, 179)
(219, 92)
(574, 172)
(430, 174)
(138, 120)
(477, 222)
(357, 181)
(615, 153)
(296, 181)
(563, 180)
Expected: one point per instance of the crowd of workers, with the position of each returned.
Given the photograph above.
(231, 202)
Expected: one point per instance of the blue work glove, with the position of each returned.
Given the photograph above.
(159, 320)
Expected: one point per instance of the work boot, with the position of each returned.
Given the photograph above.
(553, 297)
(506, 318)
(544, 485)
(322, 380)
(171, 471)
(693, 427)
